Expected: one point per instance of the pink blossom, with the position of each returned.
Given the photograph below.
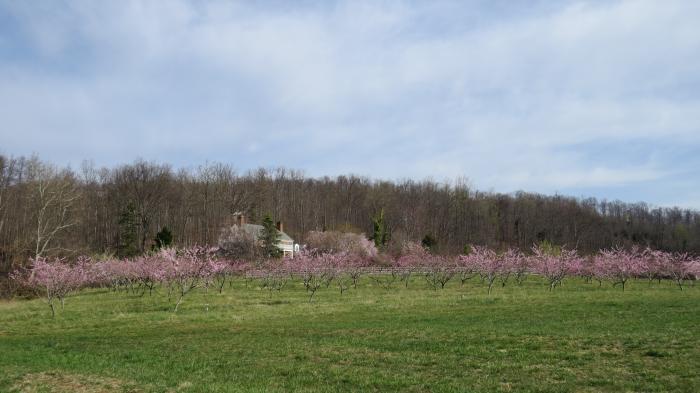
(619, 265)
(555, 266)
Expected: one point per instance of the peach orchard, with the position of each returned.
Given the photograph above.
(176, 273)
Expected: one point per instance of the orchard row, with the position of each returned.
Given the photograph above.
(181, 271)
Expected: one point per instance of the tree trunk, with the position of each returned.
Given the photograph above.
(178, 302)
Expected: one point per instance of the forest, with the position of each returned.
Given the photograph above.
(47, 210)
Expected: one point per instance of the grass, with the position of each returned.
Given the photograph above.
(578, 338)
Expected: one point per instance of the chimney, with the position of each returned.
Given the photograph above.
(280, 226)
(239, 218)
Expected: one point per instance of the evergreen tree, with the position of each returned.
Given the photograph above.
(429, 242)
(128, 232)
(269, 237)
(163, 239)
(380, 234)
(467, 249)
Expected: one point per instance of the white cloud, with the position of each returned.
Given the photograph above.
(388, 89)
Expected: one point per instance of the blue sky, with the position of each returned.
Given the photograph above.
(594, 98)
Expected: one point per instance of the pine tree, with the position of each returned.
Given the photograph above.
(163, 239)
(467, 249)
(380, 234)
(429, 242)
(269, 237)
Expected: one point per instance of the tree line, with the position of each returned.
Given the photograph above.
(46, 211)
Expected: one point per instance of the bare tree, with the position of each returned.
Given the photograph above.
(7, 173)
(55, 196)
(145, 185)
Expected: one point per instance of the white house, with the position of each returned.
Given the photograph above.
(285, 243)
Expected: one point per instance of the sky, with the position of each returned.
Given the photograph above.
(582, 98)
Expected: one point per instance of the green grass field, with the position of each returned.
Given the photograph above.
(577, 338)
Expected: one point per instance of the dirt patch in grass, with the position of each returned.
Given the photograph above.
(59, 382)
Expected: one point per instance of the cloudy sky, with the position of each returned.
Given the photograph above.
(583, 98)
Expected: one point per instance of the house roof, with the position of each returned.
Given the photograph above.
(256, 231)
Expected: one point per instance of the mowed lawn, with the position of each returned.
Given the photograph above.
(580, 337)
